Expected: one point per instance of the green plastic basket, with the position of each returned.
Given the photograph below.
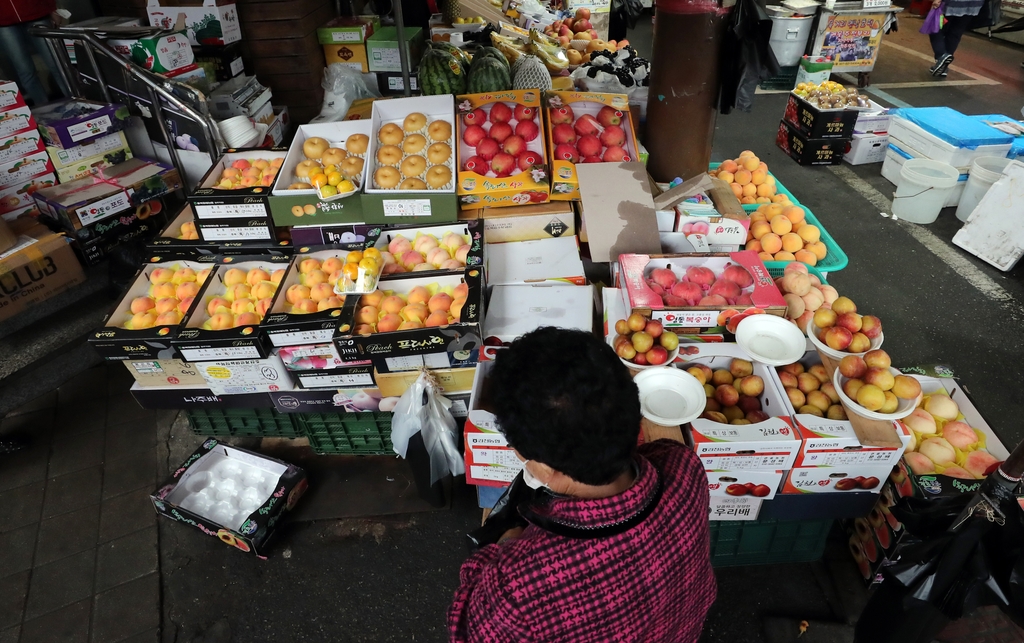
(778, 268)
(786, 79)
(835, 258)
(779, 189)
(767, 542)
(254, 423)
(367, 433)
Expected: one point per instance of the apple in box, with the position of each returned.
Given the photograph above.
(845, 479)
(759, 484)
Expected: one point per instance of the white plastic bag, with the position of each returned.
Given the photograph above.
(422, 409)
(342, 87)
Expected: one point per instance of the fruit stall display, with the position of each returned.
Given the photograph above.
(411, 150)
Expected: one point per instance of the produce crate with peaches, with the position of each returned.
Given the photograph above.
(325, 167)
(237, 186)
(953, 447)
(150, 313)
(501, 154)
(225, 323)
(687, 292)
(585, 127)
(425, 249)
(781, 232)
(180, 239)
(750, 180)
(414, 317)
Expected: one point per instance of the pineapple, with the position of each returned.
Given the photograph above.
(452, 10)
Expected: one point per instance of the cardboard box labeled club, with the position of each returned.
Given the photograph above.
(16, 119)
(524, 222)
(16, 146)
(107, 193)
(635, 269)
(394, 206)
(40, 265)
(210, 201)
(285, 326)
(809, 151)
(70, 123)
(568, 107)
(748, 482)
(850, 478)
(814, 122)
(115, 341)
(162, 373)
(525, 177)
(234, 377)
(197, 342)
(930, 485)
(490, 461)
(542, 260)
(452, 346)
(305, 207)
(207, 22)
(190, 495)
(470, 232)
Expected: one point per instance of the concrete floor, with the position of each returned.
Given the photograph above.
(391, 578)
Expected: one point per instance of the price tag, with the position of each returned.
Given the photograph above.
(237, 66)
(337, 381)
(230, 210)
(227, 352)
(407, 208)
(99, 210)
(241, 233)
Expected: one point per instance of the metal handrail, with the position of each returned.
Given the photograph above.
(157, 86)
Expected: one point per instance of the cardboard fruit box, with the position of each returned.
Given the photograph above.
(19, 170)
(117, 342)
(174, 241)
(189, 496)
(537, 261)
(74, 122)
(490, 461)
(305, 207)
(196, 397)
(527, 177)
(635, 270)
(516, 309)
(10, 95)
(846, 479)
(746, 482)
(286, 326)
(102, 146)
(809, 151)
(238, 376)
(16, 146)
(814, 122)
(210, 201)
(40, 265)
(19, 195)
(198, 342)
(338, 400)
(343, 376)
(470, 231)
(341, 236)
(453, 346)
(163, 373)
(15, 120)
(208, 22)
(771, 444)
(564, 107)
(524, 222)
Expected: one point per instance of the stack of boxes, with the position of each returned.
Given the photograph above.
(815, 136)
(24, 165)
(384, 58)
(870, 137)
(344, 41)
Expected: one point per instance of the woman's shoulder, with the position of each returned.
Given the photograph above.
(674, 460)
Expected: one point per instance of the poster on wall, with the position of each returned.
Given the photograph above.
(852, 40)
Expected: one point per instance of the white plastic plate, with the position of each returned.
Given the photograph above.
(669, 396)
(771, 340)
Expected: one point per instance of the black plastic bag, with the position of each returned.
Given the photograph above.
(629, 11)
(747, 57)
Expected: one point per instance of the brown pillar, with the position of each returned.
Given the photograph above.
(683, 95)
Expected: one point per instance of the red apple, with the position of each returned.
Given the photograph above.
(654, 328)
(487, 148)
(566, 152)
(613, 136)
(524, 112)
(582, 25)
(476, 164)
(559, 115)
(475, 117)
(528, 130)
(593, 159)
(528, 159)
(473, 135)
(587, 125)
(502, 164)
(609, 116)
(514, 145)
(563, 133)
(616, 154)
(589, 145)
(500, 131)
(500, 113)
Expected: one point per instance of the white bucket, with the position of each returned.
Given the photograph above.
(789, 39)
(985, 171)
(924, 186)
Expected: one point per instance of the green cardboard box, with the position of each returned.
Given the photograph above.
(382, 48)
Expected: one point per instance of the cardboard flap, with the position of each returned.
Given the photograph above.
(670, 198)
(619, 210)
(718, 191)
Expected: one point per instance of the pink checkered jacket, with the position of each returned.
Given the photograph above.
(592, 582)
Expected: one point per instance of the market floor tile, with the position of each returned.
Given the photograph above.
(126, 558)
(127, 610)
(76, 453)
(126, 514)
(61, 583)
(12, 598)
(21, 506)
(69, 624)
(67, 534)
(72, 491)
(17, 549)
(130, 473)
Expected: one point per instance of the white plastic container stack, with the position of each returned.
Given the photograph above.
(984, 172)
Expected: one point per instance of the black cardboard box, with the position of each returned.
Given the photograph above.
(197, 398)
(820, 123)
(210, 202)
(809, 151)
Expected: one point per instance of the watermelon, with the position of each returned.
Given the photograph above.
(459, 54)
(441, 73)
(488, 75)
(490, 52)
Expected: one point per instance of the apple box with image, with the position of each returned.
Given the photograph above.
(501, 155)
(490, 461)
(420, 321)
(693, 293)
(585, 127)
(433, 249)
(847, 479)
(19, 196)
(152, 311)
(225, 323)
(952, 448)
(748, 482)
(314, 150)
(237, 186)
(10, 95)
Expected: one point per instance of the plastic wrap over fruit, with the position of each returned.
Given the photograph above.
(422, 409)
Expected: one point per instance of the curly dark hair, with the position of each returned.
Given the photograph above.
(563, 398)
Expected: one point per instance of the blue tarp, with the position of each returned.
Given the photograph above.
(953, 127)
(1017, 151)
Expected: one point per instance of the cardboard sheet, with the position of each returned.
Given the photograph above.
(619, 210)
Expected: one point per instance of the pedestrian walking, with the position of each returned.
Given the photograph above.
(958, 16)
(16, 17)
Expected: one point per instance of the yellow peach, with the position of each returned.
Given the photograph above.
(308, 265)
(419, 295)
(263, 290)
(263, 307)
(296, 293)
(367, 315)
(161, 275)
(142, 304)
(143, 320)
(165, 289)
(233, 276)
(392, 304)
(277, 277)
(321, 291)
(218, 305)
(182, 275)
(184, 305)
(186, 290)
(165, 304)
(415, 312)
(202, 275)
(247, 319)
(332, 264)
(440, 302)
(389, 323)
(314, 277)
(169, 318)
(372, 299)
(256, 275)
(222, 321)
(240, 306)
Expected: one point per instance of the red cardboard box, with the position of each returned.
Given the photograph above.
(859, 477)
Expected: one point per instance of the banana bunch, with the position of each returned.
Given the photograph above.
(551, 54)
(511, 48)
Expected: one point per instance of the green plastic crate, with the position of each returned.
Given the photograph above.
(778, 268)
(367, 433)
(779, 189)
(785, 80)
(255, 423)
(767, 542)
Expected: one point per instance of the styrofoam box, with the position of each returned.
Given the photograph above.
(874, 120)
(335, 134)
(894, 159)
(866, 148)
(932, 147)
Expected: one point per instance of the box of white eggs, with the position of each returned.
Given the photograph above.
(234, 495)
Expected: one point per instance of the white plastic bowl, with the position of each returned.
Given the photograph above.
(905, 408)
(670, 396)
(812, 334)
(771, 340)
(672, 355)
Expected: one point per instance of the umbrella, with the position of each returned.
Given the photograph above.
(969, 556)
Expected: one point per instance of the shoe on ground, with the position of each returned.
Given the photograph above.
(941, 65)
